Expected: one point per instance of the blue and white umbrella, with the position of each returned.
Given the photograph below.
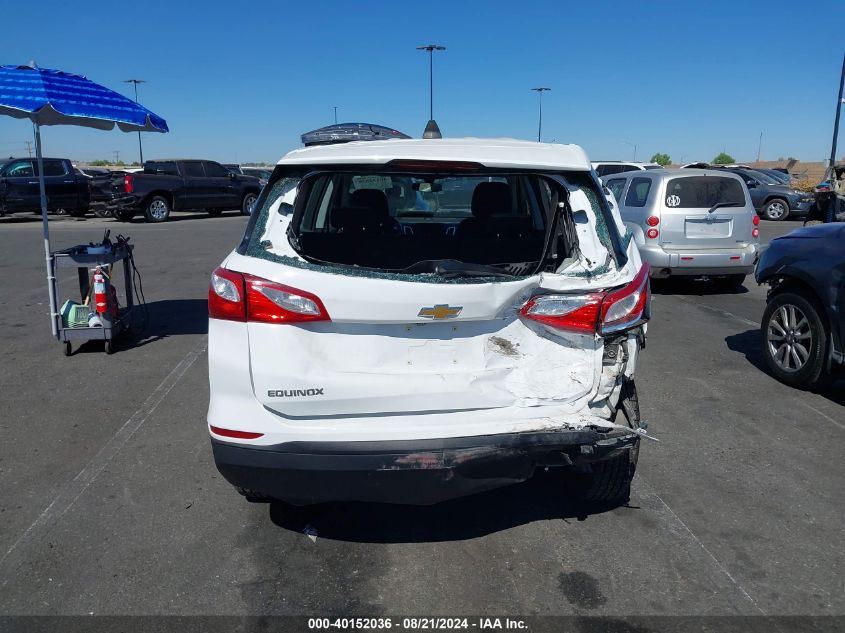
(54, 97)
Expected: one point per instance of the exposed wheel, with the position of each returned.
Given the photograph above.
(59, 211)
(794, 340)
(776, 209)
(214, 212)
(68, 350)
(248, 204)
(124, 215)
(731, 282)
(102, 212)
(158, 209)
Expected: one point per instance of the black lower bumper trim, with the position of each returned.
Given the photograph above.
(416, 472)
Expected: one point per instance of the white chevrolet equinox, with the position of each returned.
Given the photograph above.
(410, 321)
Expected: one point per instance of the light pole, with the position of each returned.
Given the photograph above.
(540, 92)
(335, 115)
(431, 129)
(634, 145)
(135, 82)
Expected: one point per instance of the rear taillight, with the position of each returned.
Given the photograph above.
(239, 297)
(755, 220)
(652, 220)
(626, 306)
(652, 234)
(755, 232)
(128, 183)
(597, 312)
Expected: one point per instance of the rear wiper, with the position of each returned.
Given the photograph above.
(719, 205)
(452, 268)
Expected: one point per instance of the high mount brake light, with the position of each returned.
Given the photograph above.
(434, 165)
(240, 297)
(597, 312)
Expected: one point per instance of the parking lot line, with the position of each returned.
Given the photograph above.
(72, 491)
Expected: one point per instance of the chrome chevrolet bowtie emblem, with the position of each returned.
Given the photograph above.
(440, 311)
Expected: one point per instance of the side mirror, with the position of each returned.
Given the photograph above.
(232, 175)
(751, 184)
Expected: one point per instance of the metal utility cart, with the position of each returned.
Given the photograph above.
(78, 257)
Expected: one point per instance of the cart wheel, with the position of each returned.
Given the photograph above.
(68, 350)
(109, 347)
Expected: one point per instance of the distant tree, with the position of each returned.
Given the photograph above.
(724, 159)
(661, 159)
(99, 163)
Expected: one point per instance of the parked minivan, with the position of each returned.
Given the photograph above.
(690, 222)
(414, 320)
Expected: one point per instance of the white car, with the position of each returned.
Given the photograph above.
(413, 320)
(608, 167)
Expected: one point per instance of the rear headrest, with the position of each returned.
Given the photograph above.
(491, 198)
(350, 219)
(374, 199)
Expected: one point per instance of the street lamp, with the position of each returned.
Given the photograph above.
(540, 92)
(431, 129)
(335, 115)
(634, 145)
(135, 82)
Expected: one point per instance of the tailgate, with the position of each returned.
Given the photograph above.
(380, 355)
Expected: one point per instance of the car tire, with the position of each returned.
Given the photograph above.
(124, 215)
(102, 212)
(59, 211)
(794, 340)
(775, 210)
(78, 213)
(732, 283)
(253, 495)
(157, 209)
(248, 203)
(214, 212)
(610, 479)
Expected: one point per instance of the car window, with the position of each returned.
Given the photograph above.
(20, 169)
(215, 170)
(164, 167)
(616, 186)
(193, 169)
(702, 192)
(638, 192)
(606, 170)
(53, 168)
(761, 177)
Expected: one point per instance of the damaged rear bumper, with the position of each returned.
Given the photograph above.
(418, 472)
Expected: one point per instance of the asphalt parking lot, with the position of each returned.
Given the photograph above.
(110, 502)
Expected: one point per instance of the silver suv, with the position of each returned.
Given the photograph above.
(690, 222)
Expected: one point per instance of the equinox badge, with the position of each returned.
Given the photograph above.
(440, 311)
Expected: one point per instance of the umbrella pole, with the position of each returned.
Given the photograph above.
(51, 280)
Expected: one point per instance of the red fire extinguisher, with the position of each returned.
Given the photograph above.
(100, 300)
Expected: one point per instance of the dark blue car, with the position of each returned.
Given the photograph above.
(803, 326)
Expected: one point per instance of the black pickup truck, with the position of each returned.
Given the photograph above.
(181, 185)
(67, 192)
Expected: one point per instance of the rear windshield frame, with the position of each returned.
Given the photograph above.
(587, 181)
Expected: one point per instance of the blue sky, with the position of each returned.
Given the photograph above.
(241, 81)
